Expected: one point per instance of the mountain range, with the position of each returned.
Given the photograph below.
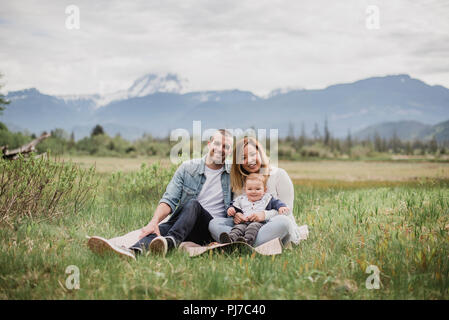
(155, 104)
(406, 131)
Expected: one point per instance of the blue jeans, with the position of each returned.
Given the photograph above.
(189, 224)
(276, 227)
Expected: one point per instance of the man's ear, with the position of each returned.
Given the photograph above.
(208, 145)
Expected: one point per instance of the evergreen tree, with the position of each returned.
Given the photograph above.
(349, 142)
(303, 136)
(326, 133)
(316, 133)
(377, 142)
(71, 143)
(97, 130)
(3, 101)
(433, 145)
(408, 148)
(291, 132)
(394, 143)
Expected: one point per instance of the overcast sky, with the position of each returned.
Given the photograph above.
(248, 45)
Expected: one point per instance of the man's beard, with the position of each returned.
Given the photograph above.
(217, 159)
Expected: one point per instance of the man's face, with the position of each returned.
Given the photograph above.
(220, 147)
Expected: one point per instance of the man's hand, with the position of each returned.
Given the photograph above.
(239, 218)
(283, 210)
(150, 228)
(257, 217)
(231, 211)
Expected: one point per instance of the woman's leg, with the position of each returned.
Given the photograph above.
(276, 227)
(220, 225)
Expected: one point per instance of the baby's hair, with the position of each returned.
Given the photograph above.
(258, 177)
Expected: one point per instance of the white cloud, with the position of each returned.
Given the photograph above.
(250, 45)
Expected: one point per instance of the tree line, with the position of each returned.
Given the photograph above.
(324, 145)
(291, 147)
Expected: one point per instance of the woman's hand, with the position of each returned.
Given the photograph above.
(239, 218)
(231, 211)
(283, 210)
(150, 228)
(257, 217)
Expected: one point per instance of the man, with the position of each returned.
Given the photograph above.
(199, 191)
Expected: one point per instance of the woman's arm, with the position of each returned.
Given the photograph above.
(285, 189)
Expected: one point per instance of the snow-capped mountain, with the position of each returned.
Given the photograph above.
(152, 83)
(156, 104)
(143, 86)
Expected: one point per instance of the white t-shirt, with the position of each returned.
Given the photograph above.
(211, 195)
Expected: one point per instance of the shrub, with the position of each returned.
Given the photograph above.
(12, 139)
(43, 188)
(147, 184)
(316, 151)
(359, 152)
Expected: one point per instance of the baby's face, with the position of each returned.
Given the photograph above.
(254, 190)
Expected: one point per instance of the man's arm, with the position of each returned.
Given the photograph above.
(161, 212)
(173, 192)
(167, 204)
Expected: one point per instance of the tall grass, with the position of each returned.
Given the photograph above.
(42, 188)
(401, 229)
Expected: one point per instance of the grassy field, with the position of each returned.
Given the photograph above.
(391, 215)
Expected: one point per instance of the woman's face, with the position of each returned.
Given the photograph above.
(251, 161)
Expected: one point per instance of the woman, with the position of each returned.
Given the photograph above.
(248, 157)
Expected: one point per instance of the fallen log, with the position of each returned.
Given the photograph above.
(25, 149)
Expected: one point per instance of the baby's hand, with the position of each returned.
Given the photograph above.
(231, 211)
(283, 210)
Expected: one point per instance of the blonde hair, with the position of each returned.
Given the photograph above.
(238, 174)
(257, 177)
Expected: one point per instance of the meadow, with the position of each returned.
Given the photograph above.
(393, 215)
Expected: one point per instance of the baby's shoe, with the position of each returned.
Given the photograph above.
(241, 239)
(225, 238)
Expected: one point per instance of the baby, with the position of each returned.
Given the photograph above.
(254, 200)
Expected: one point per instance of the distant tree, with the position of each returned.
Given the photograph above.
(384, 145)
(71, 143)
(394, 142)
(3, 101)
(59, 134)
(97, 130)
(327, 134)
(291, 132)
(433, 145)
(408, 148)
(337, 145)
(377, 142)
(303, 137)
(316, 133)
(349, 142)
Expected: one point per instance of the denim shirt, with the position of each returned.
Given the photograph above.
(187, 182)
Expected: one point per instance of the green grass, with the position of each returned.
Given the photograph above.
(402, 228)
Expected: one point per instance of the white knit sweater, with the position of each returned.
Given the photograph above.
(281, 187)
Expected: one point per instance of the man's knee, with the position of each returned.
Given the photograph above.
(193, 207)
(193, 204)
